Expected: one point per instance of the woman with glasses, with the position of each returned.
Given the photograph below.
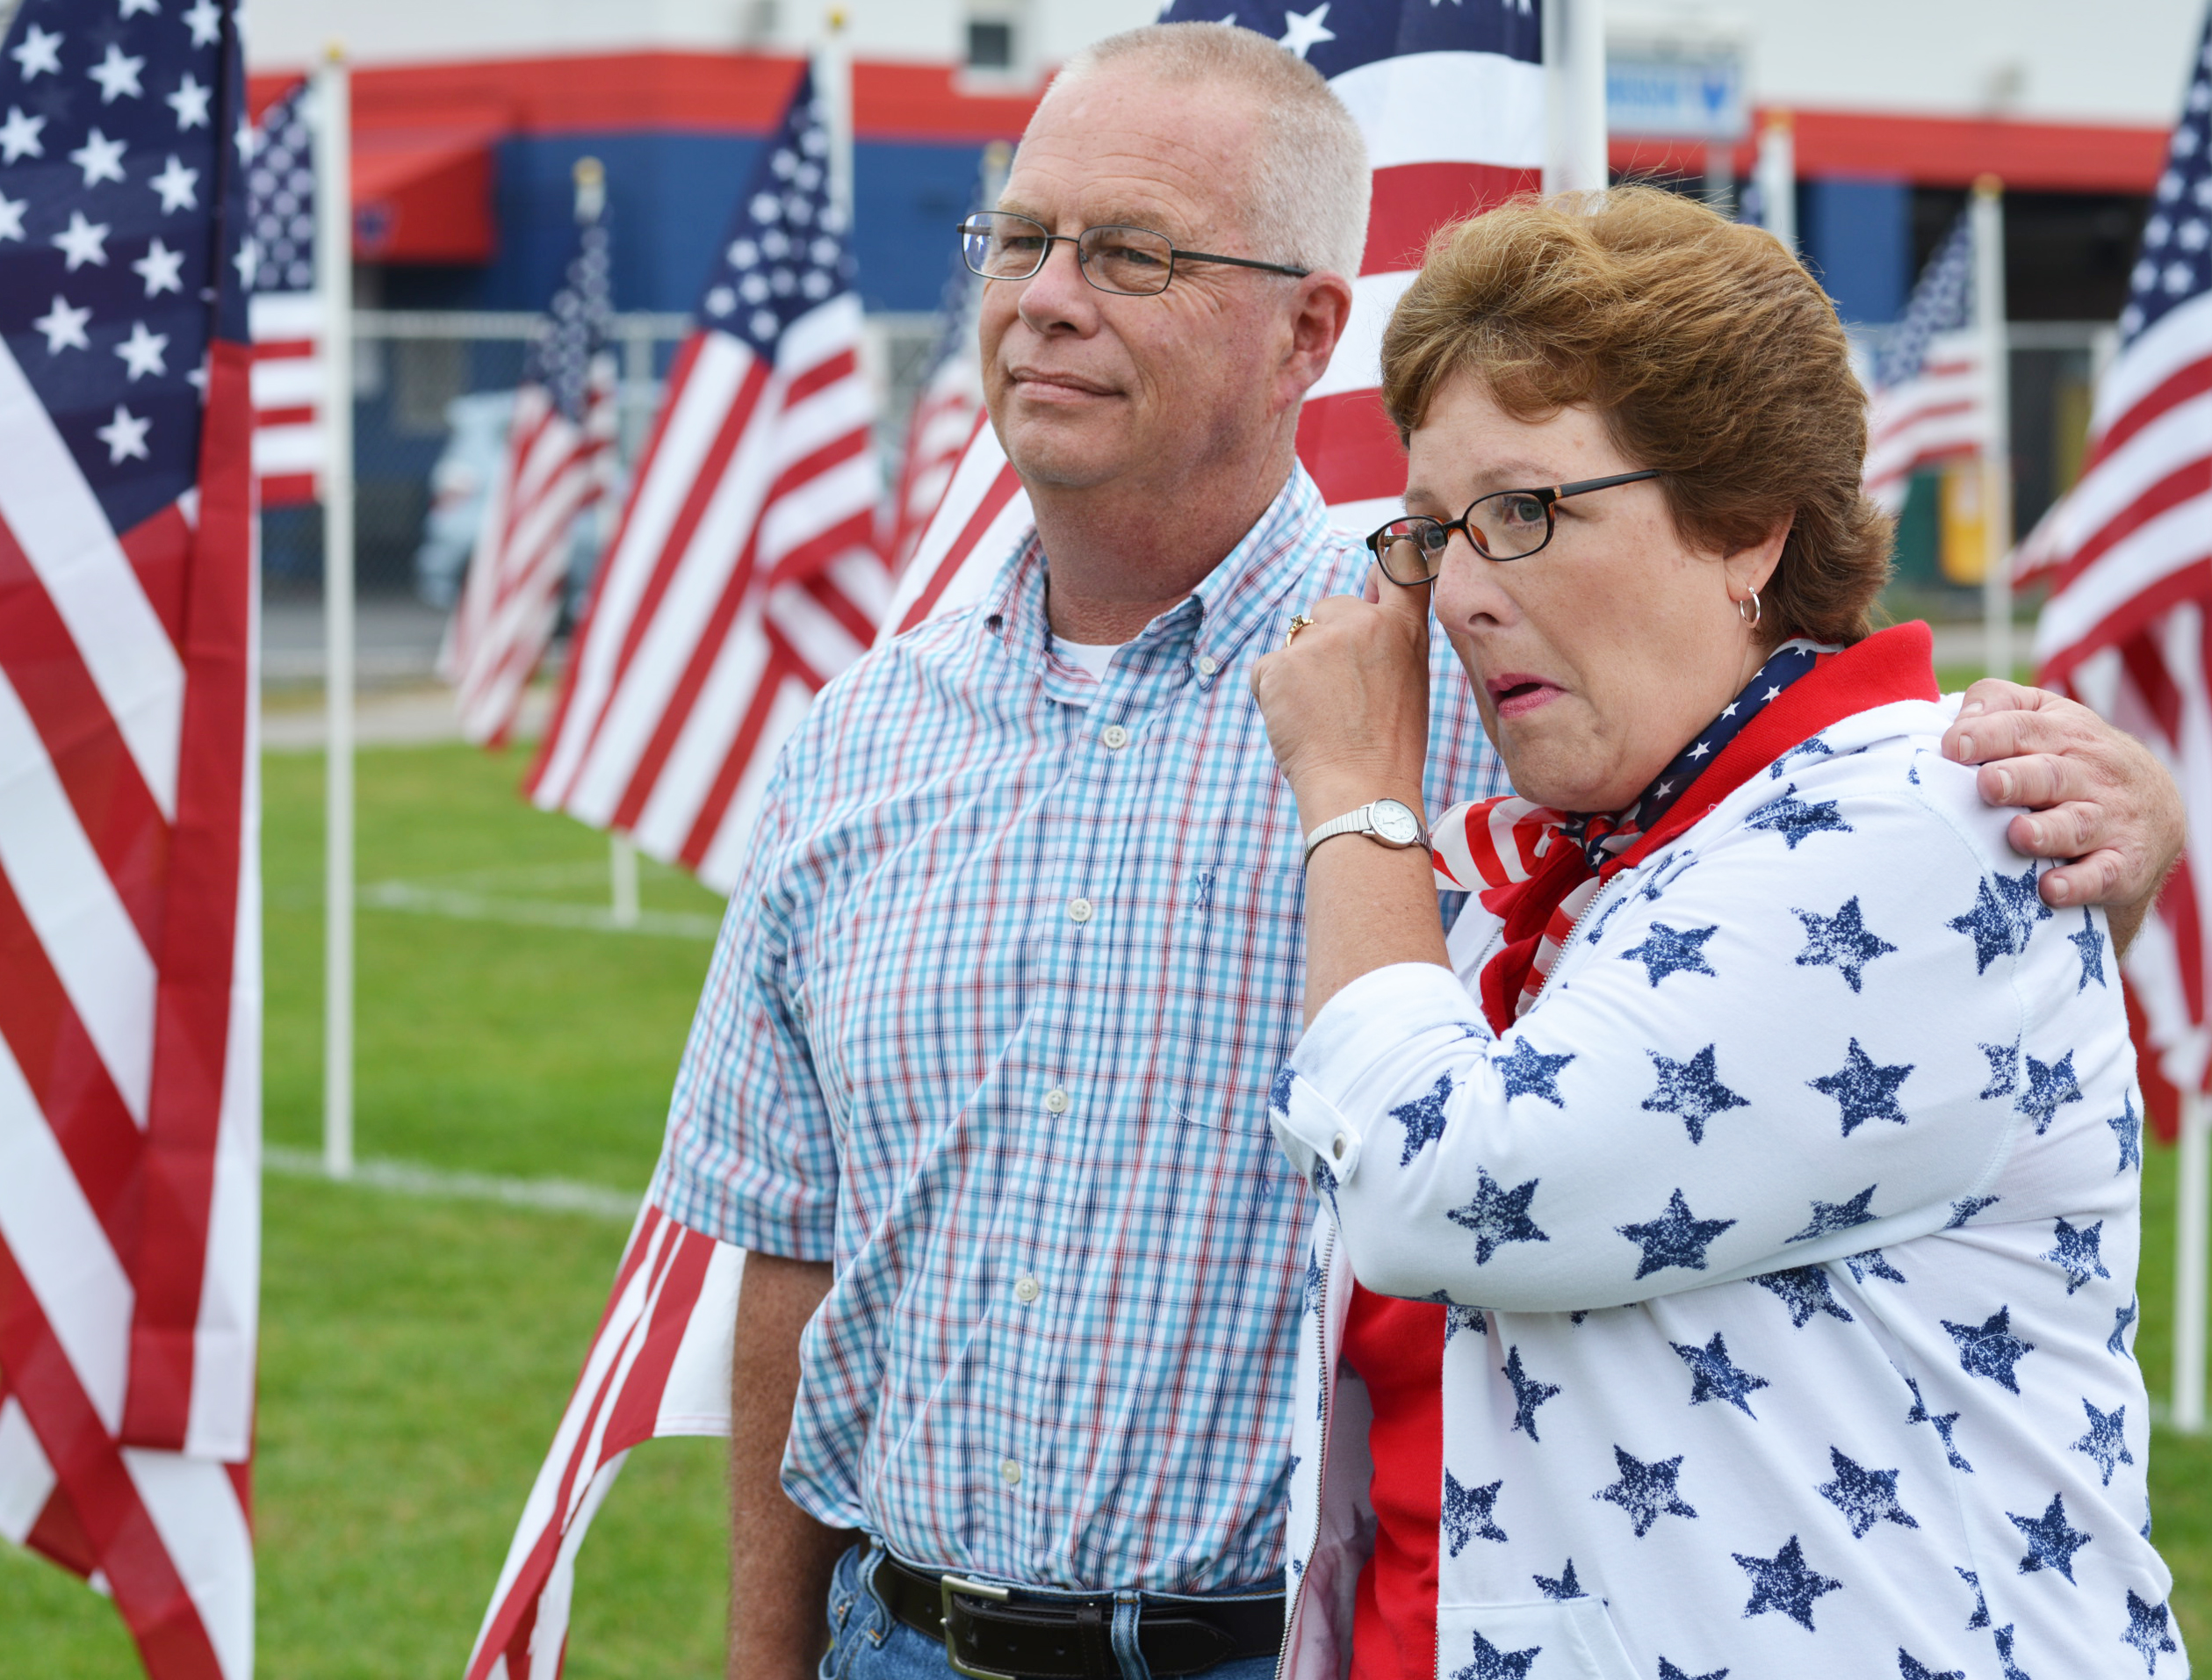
(1725, 1254)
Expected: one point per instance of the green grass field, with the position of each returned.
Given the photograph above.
(417, 1354)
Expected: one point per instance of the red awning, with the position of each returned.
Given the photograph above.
(423, 193)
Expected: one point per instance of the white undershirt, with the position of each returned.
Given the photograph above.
(1093, 657)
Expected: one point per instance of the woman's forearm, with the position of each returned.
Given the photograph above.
(1367, 906)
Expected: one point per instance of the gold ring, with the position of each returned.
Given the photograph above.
(1298, 622)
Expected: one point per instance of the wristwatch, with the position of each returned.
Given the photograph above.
(1386, 822)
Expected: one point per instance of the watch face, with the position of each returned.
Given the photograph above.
(1393, 822)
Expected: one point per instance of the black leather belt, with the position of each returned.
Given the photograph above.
(992, 1632)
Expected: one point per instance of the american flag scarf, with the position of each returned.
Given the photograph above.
(1510, 850)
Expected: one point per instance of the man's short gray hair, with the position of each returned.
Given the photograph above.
(1309, 204)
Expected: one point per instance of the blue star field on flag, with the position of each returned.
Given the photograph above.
(1646, 1492)
(122, 190)
(2173, 266)
(1863, 1089)
(1497, 1216)
(1942, 301)
(1943, 1422)
(1334, 38)
(2106, 1442)
(1423, 1117)
(1529, 1072)
(1528, 1394)
(1715, 1377)
(1671, 950)
(786, 254)
(280, 196)
(1676, 1237)
(1786, 1584)
(2051, 1540)
(1864, 1496)
(1990, 1349)
(1466, 1513)
(1804, 1291)
(1841, 941)
(578, 319)
(1690, 1090)
(1829, 1218)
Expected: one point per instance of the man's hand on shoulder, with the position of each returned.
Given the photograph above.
(2094, 795)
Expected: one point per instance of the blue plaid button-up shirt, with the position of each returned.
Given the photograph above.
(992, 1025)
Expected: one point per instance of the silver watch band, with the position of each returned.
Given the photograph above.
(1362, 822)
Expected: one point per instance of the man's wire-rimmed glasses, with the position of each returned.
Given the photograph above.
(1504, 525)
(1128, 262)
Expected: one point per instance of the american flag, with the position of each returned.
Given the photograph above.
(2127, 552)
(948, 410)
(1931, 393)
(744, 574)
(556, 465)
(130, 982)
(1450, 100)
(1452, 105)
(287, 313)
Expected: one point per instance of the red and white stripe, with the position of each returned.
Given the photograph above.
(553, 470)
(289, 442)
(659, 1365)
(945, 413)
(130, 1031)
(1448, 135)
(1940, 415)
(743, 577)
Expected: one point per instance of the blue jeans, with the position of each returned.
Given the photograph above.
(867, 1643)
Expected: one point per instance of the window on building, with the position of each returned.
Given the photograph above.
(990, 44)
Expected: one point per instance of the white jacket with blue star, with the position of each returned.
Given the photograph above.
(1789, 1246)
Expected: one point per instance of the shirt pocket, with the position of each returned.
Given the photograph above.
(1235, 977)
(1570, 1639)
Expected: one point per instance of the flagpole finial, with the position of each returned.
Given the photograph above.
(334, 52)
(837, 20)
(1988, 187)
(1778, 116)
(591, 188)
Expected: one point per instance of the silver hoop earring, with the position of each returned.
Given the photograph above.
(1755, 612)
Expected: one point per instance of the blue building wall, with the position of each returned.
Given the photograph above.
(673, 197)
(1857, 236)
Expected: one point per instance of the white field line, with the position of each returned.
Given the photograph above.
(405, 1179)
(465, 905)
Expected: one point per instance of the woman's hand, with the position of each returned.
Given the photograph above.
(1347, 701)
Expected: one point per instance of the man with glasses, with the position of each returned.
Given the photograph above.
(981, 1072)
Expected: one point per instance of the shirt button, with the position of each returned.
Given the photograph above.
(1026, 1290)
(1009, 1472)
(1114, 736)
(1078, 910)
(1057, 1101)
(1207, 664)
(1338, 1144)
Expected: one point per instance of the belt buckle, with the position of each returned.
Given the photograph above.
(946, 1586)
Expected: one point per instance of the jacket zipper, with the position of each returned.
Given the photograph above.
(1320, 1475)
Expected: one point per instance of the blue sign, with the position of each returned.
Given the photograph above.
(1675, 98)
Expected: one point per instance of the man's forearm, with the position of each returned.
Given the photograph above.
(779, 1557)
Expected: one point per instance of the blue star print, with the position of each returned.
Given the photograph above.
(1813, 747)
(1671, 950)
(1674, 1238)
(1795, 819)
(1529, 1072)
(1942, 1422)
(1423, 1117)
(2148, 1631)
(1325, 1182)
(1911, 1668)
(1279, 1097)
(2105, 1443)
(1966, 1207)
(2012, 1671)
(2075, 1252)
(1831, 1216)
(1784, 1583)
(2047, 1088)
(1980, 1617)
(1566, 1587)
(1646, 1491)
(2003, 917)
(1312, 1280)
(1669, 1671)
(2091, 943)
(2128, 1127)
(1805, 1290)
(1457, 1318)
(1497, 1216)
(1491, 1663)
(2003, 1070)
(1990, 1349)
(1863, 1089)
(1715, 1377)
(1466, 1513)
(1691, 1090)
(1871, 1264)
(2116, 1344)
(1528, 1393)
(1864, 1496)
(2051, 1541)
(1839, 940)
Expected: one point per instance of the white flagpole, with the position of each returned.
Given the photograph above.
(2189, 1260)
(334, 266)
(833, 84)
(1775, 172)
(1575, 158)
(1997, 476)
